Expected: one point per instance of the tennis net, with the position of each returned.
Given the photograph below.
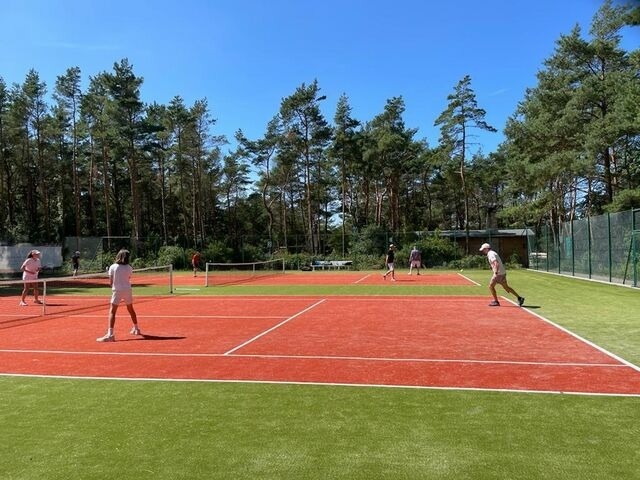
(64, 294)
(233, 273)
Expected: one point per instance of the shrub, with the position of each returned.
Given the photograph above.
(172, 256)
(217, 252)
(469, 262)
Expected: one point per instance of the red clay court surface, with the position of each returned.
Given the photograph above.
(433, 342)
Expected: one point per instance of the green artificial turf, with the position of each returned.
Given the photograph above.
(108, 429)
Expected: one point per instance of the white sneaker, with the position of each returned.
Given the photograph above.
(39, 302)
(135, 331)
(23, 304)
(106, 338)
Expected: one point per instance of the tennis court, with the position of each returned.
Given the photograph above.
(452, 342)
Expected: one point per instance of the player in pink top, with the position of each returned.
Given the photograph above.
(30, 269)
(120, 280)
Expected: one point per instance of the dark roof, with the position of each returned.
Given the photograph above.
(493, 233)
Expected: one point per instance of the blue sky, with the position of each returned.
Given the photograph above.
(245, 56)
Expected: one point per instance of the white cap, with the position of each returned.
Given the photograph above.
(485, 246)
(35, 252)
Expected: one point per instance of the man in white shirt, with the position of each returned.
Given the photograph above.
(499, 276)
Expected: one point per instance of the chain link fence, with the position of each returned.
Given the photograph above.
(605, 248)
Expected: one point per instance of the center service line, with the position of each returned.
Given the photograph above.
(274, 327)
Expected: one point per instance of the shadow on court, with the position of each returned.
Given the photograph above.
(151, 337)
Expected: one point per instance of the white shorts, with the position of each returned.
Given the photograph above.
(125, 296)
(415, 264)
(391, 267)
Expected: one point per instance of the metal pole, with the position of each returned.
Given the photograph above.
(573, 250)
(610, 251)
(634, 244)
(589, 244)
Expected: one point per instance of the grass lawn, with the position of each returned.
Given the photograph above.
(99, 429)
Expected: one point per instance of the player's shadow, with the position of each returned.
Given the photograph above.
(153, 337)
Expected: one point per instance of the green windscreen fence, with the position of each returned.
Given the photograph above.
(605, 247)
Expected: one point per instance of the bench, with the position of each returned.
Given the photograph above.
(330, 264)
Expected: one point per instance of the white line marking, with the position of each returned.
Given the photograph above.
(275, 326)
(362, 279)
(578, 337)
(320, 357)
(328, 384)
(467, 278)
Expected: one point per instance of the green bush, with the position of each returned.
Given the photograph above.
(217, 252)
(372, 238)
(469, 262)
(172, 256)
(139, 262)
(367, 262)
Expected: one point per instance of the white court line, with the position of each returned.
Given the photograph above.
(362, 279)
(275, 326)
(320, 357)
(578, 337)
(325, 384)
(467, 278)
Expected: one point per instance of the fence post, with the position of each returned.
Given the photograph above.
(589, 245)
(634, 246)
(610, 250)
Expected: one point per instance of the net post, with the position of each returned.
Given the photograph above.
(206, 274)
(171, 278)
(44, 298)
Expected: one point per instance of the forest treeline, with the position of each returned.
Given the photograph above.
(100, 162)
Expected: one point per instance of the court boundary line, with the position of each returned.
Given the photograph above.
(467, 278)
(327, 384)
(316, 357)
(580, 338)
(362, 279)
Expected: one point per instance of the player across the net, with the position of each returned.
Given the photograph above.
(232, 273)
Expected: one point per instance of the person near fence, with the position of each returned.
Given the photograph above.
(390, 262)
(415, 260)
(195, 263)
(75, 262)
(121, 291)
(499, 276)
(30, 270)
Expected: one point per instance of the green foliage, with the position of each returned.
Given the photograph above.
(437, 251)
(624, 200)
(296, 261)
(139, 262)
(469, 262)
(218, 252)
(372, 238)
(368, 262)
(170, 255)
